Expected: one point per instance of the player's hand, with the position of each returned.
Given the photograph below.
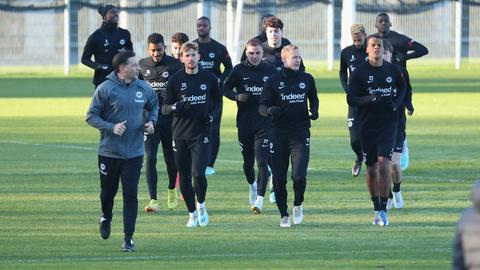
(179, 106)
(120, 128)
(104, 67)
(410, 112)
(149, 128)
(313, 115)
(242, 97)
(274, 110)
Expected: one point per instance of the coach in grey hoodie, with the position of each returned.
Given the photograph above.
(118, 110)
(466, 247)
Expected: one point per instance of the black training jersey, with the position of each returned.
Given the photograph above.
(387, 84)
(248, 79)
(289, 90)
(212, 55)
(103, 44)
(402, 45)
(350, 57)
(201, 95)
(273, 55)
(157, 74)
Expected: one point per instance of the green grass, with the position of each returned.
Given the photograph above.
(49, 201)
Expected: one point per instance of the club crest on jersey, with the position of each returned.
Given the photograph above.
(265, 79)
(211, 55)
(302, 85)
(139, 94)
(122, 41)
(147, 72)
(203, 86)
(388, 79)
(165, 74)
(370, 79)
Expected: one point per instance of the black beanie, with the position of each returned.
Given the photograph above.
(104, 9)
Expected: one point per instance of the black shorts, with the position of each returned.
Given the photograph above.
(377, 143)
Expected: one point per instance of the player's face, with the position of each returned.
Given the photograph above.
(156, 51)
(358, 40)
(387, 56)
(111, 16)
(190, 59)
(131, 68)
(274, 35)
(176, 49)
(254, 54)
(375, 49)
(292, 59)
(203, 28)
(383, 24)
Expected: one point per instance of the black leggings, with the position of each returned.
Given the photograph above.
(190, 159)
(286, 146)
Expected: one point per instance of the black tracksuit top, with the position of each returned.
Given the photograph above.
(350, 58)
(202, 96)
(290, 90)
(248, 79)
(388, 84)
(103, 44)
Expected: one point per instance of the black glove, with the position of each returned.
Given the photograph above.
(241, 97)
(313, 115)
(179, 106)
(274, 110)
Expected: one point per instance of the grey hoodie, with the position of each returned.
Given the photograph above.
(466, 247)
(114, 102)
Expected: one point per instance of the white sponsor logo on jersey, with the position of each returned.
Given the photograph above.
(293, 98)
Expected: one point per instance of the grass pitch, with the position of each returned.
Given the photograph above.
(49, 188)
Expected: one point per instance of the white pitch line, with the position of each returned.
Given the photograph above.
(76, 147)
(176, 257)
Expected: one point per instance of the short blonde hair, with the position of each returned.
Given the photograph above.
(357, 29)
(189, 45)
(286, 50)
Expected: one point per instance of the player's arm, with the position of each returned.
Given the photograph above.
(216, 95)
(88, 51)
(151, 106)
(313, 99)
(229, 84)
(227, 64)
(408, 93)
(399, 98)
(97, 106)
(354, 93)
(170, 100)
(128, 43)
(343, 73)
(266, 106)
(418, 50)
